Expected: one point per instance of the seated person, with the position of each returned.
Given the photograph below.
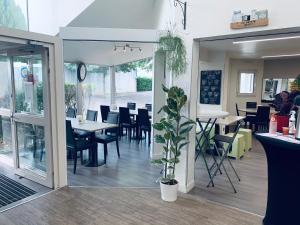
(286, 104)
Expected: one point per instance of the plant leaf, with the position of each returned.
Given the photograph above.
(159, 139)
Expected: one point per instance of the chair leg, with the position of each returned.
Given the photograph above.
(81, 157)
(105, 153)
(129, 134)
(75, 161)
(118, 151)
(149, 138)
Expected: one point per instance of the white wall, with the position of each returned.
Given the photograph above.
(237, 65)
(282, 68)
(47, 16)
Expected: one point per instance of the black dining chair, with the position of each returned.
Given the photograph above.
(261, 119)
(91, 115)
(251, 105)
(104, 110)
(131, 105)
(126, 122)
(71, 112)
(144, 124)
(75, 145)
(111, 135)
(148, 107)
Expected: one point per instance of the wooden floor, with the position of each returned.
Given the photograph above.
(113, 206)
(251, 191)
(133, 169)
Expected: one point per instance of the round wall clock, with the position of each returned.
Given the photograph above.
(81, 72)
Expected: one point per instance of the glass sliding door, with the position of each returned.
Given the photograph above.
(25, 132)
(6, 148)
(31, 129)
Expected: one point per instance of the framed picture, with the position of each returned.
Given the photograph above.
(210, 87)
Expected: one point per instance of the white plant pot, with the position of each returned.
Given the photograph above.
(168, 192)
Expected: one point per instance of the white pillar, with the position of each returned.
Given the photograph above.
(159, 77)
(112, 74)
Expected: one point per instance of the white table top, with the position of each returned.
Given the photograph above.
(211, 114)
(90, 126)
(280, 136)
(229, 120)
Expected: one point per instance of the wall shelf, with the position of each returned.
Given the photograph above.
(249, 24)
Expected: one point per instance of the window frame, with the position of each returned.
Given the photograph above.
(239, 83)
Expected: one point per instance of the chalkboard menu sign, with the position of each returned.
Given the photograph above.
(210, 87)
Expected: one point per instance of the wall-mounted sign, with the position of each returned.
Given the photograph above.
(210, 87)
(24, 72)
(256, 18)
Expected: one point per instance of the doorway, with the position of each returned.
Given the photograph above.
(25, 132)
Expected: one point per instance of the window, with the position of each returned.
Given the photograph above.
(246, 83)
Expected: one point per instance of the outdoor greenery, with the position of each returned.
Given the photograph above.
(70, 95)
(145, 64)
(143, 84)
(174, 48)
(11, 15)
(173, 132)
(90, 68)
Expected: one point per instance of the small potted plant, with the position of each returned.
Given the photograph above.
(173, 136)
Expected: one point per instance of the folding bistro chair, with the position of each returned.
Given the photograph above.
(219, 140)
(202, 147)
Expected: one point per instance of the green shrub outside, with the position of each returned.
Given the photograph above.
(143, 84)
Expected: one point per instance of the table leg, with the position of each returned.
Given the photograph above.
(93, 154)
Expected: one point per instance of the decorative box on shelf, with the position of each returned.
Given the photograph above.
(250, 23)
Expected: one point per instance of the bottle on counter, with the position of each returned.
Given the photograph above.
(292, 123)
(273, 124)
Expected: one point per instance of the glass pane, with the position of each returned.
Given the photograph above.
(31, 147)
(5, 84)
(70, 71)
(29, 84)
(138, 88)
(96, 87)
(6, 154)
(247, 83)
(14, 14)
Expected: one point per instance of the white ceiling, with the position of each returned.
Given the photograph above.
(254, 50)
(134, 14)
(102, 53)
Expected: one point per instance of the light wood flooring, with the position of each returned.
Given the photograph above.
(251, 191)
(101, 206)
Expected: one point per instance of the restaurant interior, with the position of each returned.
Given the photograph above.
(251, 79)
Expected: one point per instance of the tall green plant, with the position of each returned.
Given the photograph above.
(174, 48)
(173, 130)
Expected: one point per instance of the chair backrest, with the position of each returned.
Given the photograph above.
(251, 105)
(148, 107)
(131, 105)
(91, 115)
(71, 112)
(263, 113)
(113, 118)
(104, 109)
(124, 115)
(237, 109)
(143, 117)
(70, 134)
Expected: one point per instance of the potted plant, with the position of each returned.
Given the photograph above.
(173, 130)
(174, 48)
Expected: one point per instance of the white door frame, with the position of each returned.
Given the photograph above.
(56, 93)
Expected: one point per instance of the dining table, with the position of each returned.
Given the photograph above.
(92, 127)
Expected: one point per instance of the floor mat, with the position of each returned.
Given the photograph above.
(12, 191)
